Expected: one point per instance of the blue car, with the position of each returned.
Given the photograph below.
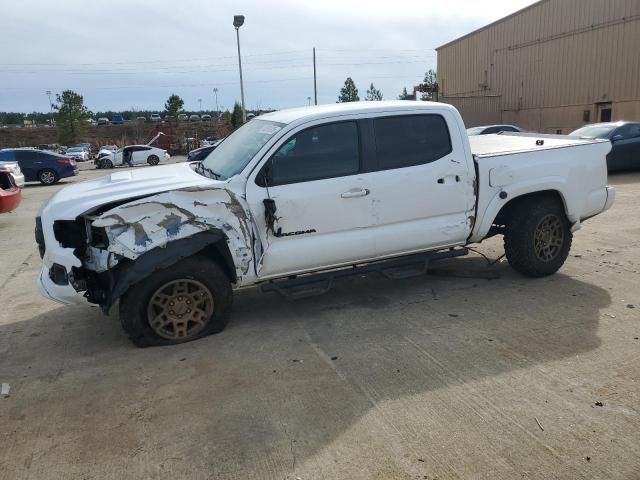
(40, 166)
(117, 120)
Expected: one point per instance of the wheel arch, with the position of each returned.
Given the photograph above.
(498, 215)
(211, 244)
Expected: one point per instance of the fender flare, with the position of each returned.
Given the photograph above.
(129, 273)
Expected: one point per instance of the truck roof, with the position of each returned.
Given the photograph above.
(351, 108)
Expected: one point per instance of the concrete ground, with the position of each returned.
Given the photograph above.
(471, 372)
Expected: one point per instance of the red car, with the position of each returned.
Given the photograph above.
(10, 194)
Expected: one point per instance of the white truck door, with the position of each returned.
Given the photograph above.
(423, 190)
(322, 198)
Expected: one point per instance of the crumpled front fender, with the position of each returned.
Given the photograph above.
(142, 225)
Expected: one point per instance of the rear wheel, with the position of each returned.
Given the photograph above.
(48, 177)
(184, 302)
(538, 237)
(153, 160)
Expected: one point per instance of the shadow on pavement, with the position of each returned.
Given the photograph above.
(284, 377)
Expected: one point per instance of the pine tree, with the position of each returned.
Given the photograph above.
(71, 116)
(236, 116)
(373, 94)
(348, 93)
(404, 95)
(431, 83)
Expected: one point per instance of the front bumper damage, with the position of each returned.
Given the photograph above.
(99, 255)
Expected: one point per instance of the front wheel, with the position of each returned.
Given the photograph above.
(153, 160)
(184, 302)
(538, 237)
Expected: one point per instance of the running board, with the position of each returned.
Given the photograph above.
(310, 285)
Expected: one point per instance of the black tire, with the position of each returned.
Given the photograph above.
(153, 160)
(107, 164)
(538, 237)
(141, 301)
(48, 176)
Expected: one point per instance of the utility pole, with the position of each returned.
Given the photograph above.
(215, 92)
(200, 102)
(315, 86)
(238, 21)
(48, 93)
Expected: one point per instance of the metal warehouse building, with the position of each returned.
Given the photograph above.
(551, 67)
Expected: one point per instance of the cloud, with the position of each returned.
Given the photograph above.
(132, 53)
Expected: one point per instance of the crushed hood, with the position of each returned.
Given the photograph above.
(82, 197)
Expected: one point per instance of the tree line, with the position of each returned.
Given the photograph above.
(349, 91)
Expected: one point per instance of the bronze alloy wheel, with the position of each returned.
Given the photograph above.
(180, 309)
(548, 237)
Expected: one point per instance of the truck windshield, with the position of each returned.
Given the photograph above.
(237, 150)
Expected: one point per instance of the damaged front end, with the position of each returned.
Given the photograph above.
(119, 245)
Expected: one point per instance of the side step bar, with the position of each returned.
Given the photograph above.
(301, 286)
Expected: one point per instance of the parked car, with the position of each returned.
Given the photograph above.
(201, 153)
(133, 155)
(7, 161)
(106, 150)
(625, 141)
(488, 129)
(103, 121)
(194, 118)
(183, 117)
(38, 166)
(141, 119)
(207, 141)
(79, 154)
(296, 198)
(10, 194)
(45, 146)
(206, 118)
(155, 117)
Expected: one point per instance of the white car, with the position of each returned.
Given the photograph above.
(294, 199)
(14, 170)
(79, 154)
(155, 117)
(133, 155)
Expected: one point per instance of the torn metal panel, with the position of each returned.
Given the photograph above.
(139, 226)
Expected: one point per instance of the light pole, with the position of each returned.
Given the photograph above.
(215, 92)
(308, 100)
(238, 21)
(200, 102)
(48, 93)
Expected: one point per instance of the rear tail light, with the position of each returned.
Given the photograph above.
(66, 161)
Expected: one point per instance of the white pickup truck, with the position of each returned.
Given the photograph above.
(296, 198)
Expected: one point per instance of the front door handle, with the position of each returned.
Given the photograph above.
(355, 192)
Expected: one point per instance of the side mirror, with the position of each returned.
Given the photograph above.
(616, 138)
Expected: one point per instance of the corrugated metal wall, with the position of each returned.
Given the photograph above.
(564, 56)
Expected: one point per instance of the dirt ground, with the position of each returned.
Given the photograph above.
(473, 372)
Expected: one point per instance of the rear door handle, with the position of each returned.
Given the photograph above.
(355, 192)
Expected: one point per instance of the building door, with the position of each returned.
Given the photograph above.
(604, 112)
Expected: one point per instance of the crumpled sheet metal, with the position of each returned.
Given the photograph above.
(153, 222)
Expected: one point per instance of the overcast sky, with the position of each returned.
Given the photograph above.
(121, 54)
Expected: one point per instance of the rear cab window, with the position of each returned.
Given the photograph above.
(410, 140)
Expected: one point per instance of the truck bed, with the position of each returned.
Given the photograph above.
(516, 163)
(509, 143)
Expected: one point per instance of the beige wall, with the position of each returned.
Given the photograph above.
(550, 62)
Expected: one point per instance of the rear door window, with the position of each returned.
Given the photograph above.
(7, 156)
(410, 140)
